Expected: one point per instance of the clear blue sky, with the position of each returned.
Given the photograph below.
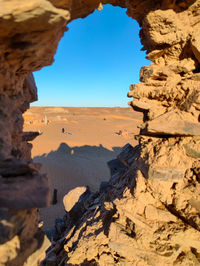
(96, 61)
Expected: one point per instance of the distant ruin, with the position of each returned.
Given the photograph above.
(151, 214)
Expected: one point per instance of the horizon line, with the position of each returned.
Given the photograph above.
(52, 106)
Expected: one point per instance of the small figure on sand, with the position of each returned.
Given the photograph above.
(68, 133)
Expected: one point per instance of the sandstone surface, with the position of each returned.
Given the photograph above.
(72, 197)
(150, 214)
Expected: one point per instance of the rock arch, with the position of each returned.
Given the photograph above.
(151, 215)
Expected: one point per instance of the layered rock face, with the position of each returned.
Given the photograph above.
(150, 213)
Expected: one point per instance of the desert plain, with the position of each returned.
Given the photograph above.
(75, 145)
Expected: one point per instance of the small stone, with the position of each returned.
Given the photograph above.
(100, 7)
(72, 197)
(140, 106)
(40, 223)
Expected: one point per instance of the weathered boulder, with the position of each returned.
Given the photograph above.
(72, 197)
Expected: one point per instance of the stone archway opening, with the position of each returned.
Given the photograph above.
(164, 175)
(96, 55)
(79, 157)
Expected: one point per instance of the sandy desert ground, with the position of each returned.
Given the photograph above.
(78, 157)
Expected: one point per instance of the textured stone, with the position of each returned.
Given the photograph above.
(159, 35)
(195, 42)
(165, 174)
(176, 127)
(116, 166)
(24, 192)
(11, 222)
(13, 168)
(150, 213)
(29, 84)
(173, 123)
(139, 105)
(39, 254)
(133, 253)
(192, 150)
(128, 154)
(72, 197)
(9, 250)
(29, 136)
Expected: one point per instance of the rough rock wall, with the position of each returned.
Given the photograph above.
(26, 29)
(150, 215)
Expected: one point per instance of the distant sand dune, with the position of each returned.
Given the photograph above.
(56, 110)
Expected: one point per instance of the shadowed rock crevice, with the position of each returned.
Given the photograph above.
(141, 228)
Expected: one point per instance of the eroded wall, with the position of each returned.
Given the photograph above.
(151, 215)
